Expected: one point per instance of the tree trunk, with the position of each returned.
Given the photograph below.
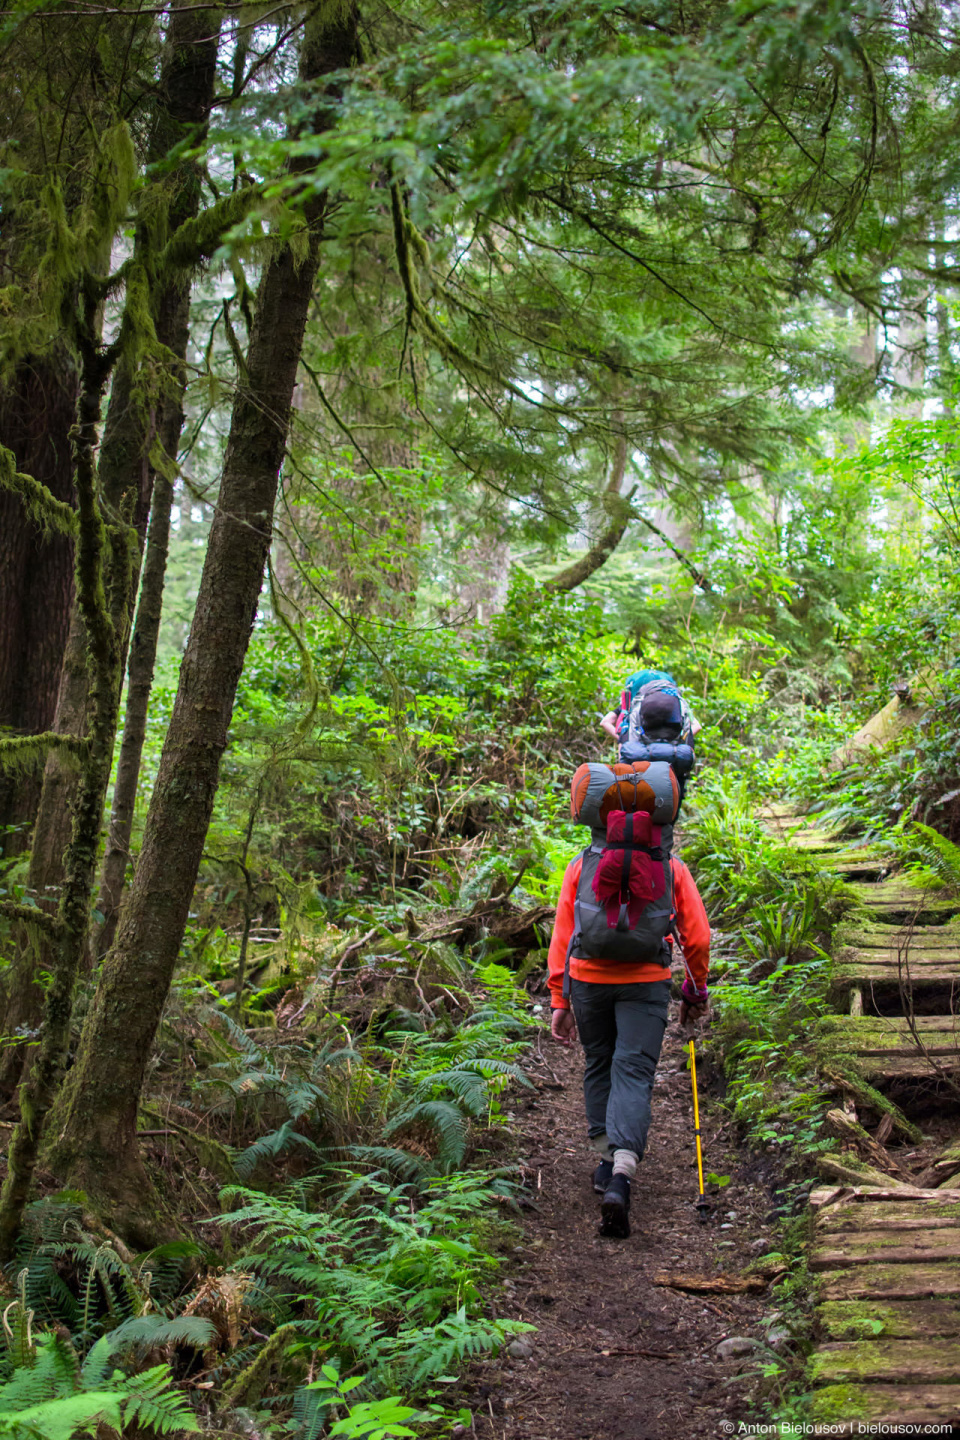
(143, 656)
(190, 90)
(66, 931)
(36, 573)
(96, 1146)
(125, 479)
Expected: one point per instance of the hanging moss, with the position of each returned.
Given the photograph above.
(42, 507)
(19, 753)
(29, 915)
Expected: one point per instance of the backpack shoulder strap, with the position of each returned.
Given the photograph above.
(577, 928)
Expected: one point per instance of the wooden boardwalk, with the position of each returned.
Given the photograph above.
(886, 1257)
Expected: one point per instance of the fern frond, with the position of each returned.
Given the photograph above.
(150, 1401)
(444, 1119)
(150, 1330)
(939, 853)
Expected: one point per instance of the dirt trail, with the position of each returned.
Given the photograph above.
(593, 1299)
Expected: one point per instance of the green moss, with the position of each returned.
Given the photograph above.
(837, 1403)
(42, 507)
(20, 753)
(853, 1319)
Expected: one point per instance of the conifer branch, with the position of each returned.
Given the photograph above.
(407, 239)
(40, 503)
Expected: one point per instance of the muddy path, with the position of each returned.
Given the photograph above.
(594, 1301)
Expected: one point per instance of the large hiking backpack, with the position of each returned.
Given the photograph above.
(623, 907)
(656, 724)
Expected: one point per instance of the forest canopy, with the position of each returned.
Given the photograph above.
(380, 384)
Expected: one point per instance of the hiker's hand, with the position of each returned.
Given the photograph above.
(691, 1014)
(563, 1026)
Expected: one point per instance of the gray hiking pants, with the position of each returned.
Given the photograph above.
(621, 1030)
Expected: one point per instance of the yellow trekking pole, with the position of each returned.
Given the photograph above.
(703, 1205)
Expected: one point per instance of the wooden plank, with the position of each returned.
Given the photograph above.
(889, 955)
(941, 1043)
(858, 974)
(904, 1319)
(902, 1067)
(889, 1282)
(888, 1247)
(815, 842)
(778, 810)
(824, 1194)
(845, 1408)
(870, 1035)
(887, 1361)
(888, 951)
(845, 1195)
(920, 1215)
(869, 870)
(922, 938)
(898, 897)
(890, 1024)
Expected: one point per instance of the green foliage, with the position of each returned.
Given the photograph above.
(71, 1277)
(390, 1282)
(53, 1397)
(774, 983)
(931, 855)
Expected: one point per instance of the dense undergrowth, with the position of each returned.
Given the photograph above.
(326, 1111)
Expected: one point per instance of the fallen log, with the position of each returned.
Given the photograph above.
(711, 1284)
(852, 1171)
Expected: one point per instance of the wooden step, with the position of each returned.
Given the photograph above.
(922, 939)
(890, 1282)
(903, 1319)
(886, 1046)
(853, 867)
(886, 1247)
(888, 1361)
(934, 1213)
(815, 842)
(829, 1199)
(897, 896)
(847, 1408)
(866, 967)
(936, 1069)
(873, 1035)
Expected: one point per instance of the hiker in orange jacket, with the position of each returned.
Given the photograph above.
(620, 1010)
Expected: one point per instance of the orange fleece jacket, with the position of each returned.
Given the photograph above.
(692, 925)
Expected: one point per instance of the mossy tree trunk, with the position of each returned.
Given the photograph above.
(95, 1127)
(125, 479)
(140, 668)
(66, 931)
(189, 96)
(37, 409)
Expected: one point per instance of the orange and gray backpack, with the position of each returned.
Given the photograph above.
(623, 907)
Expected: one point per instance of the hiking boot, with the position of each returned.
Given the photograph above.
(615, 1207)
(602, 1176)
